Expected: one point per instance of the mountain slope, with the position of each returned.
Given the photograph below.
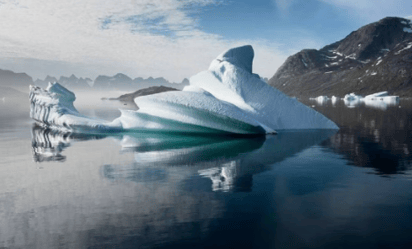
(376, 57)
(19, 81)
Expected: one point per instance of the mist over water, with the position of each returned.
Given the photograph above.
(347, 188)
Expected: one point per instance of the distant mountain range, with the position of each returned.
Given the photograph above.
(19, 81)
(123, 82)
(22, 81)
(376, 57)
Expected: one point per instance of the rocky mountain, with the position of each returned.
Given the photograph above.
(71, 82)
(43, 83)
(123, 82)
(129, 97)
(22, 81)
(118, 81)
(19, 81)
(376, 57)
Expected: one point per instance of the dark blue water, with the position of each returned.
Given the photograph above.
(317, 189)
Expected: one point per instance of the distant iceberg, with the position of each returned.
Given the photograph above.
(321, 99)
(334, 100)
(382, 96)
(226, 98)
(352, 100)
(381, 100)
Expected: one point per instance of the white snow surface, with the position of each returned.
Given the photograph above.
(226, 98)
(405, 48)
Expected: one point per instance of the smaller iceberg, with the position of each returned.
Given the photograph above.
(321, 99)
(334, 100)
(352, 100)
(382, 96)
(226, 98)
(381, 100)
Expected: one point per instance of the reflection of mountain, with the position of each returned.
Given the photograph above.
(372, 137)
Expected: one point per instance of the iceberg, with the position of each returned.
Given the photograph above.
(334, 100)
(226, 98)
(352, 100)
(321, 99)
(381, 100)
(382, 96)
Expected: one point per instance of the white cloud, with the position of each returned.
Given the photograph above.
(137, 37)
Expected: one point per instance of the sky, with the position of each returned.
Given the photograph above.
(174, 39)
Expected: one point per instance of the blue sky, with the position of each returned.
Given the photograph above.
(288, 21)
(171, 38)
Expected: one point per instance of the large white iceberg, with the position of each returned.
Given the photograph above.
(226, 98)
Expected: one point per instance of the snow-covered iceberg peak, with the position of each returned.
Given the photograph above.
(230, 79)
(241, 57)
(226, 98)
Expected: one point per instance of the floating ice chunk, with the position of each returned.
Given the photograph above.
(321, 99)
(352, 100)
(334, 100)
(381, 100)
(352, 97)
(227, 98)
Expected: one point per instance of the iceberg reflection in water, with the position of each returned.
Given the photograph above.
(48, 144)
(229, 162)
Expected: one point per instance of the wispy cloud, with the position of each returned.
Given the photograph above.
(138, 37)
(283, 6)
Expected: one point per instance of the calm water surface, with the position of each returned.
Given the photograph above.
(350, 188)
